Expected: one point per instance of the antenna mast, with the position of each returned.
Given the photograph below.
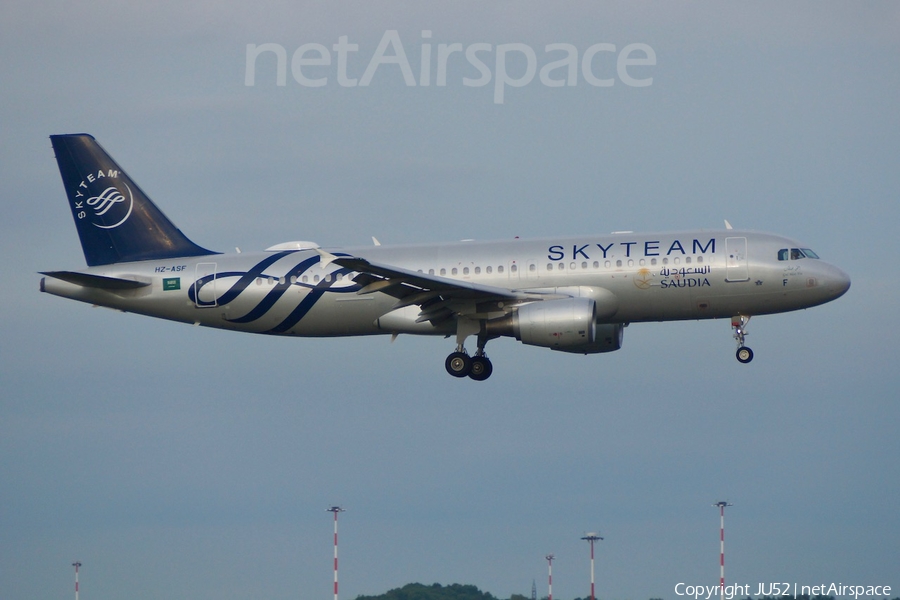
(592, 537)
(722, 506)
(335, 510)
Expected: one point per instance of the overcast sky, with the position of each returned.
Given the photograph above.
(176, 461)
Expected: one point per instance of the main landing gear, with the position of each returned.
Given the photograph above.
(460, 364)
(739, 325)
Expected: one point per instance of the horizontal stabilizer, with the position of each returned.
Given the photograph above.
(96, 281)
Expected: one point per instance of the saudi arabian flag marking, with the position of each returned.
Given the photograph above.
(171, 283)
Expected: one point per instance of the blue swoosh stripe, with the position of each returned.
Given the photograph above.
(303, 308)
(276, 293)
(239, 286)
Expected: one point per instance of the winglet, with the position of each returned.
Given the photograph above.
(728, 225)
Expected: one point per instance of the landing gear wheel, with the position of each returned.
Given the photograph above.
(458, 364)
(481, 368)
(744, 354)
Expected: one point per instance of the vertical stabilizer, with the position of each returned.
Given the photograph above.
(116, 221)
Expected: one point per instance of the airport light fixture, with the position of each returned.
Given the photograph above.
(592, 537)
(335, 510)
(722, 505)
(549, 558)
(76, 564)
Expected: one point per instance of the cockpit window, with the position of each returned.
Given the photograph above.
(796, 253)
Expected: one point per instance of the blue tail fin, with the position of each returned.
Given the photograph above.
(116, 221)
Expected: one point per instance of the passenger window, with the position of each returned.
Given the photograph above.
(513, 268)
(688, 260)
(454, 271)
(500, 269)
(606, 264)
(477, 270)
(584, 265)
(652, 261)
(596, 264)
(431, 271)
(618, 263)
(488, 269)
(443, 271)
(465, 270)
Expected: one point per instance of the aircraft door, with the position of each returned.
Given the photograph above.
(736, 266)
(205, 295)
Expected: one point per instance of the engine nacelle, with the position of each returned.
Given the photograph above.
(558, 324)
(608, 338)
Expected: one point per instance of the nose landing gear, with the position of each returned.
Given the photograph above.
(739, 325)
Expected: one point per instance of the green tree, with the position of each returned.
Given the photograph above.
(418, 591)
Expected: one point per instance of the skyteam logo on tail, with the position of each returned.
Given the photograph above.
(109, 201)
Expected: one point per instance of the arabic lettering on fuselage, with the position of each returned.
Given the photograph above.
(631, 249)
(684, 271)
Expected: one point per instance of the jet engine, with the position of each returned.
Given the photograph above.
(608, 338)
(556, 323)
(567, 324)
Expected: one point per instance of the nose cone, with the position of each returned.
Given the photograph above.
(836, 281)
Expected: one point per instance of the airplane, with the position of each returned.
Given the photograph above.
(573, 294)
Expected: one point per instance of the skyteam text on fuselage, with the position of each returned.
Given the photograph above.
(569, 294)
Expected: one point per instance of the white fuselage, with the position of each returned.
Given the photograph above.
(633, 277)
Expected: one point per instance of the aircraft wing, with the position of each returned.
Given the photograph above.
(439, 298)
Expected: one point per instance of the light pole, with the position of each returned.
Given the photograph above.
(335, 510)
(722, 506)
(592, 537)
(550, 558)
(76, 564)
